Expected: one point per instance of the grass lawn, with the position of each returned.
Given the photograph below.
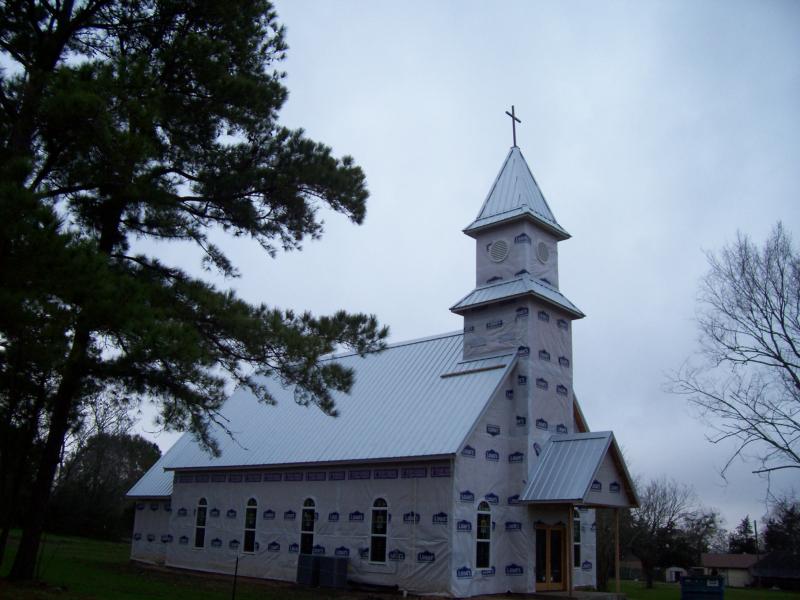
(635, 590)
(81, 569)
(73, 568)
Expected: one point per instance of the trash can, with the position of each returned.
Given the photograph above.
(702, 587)
(333, 571)
(308, 570)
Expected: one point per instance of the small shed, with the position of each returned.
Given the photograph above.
(674, 574)
(734, 568)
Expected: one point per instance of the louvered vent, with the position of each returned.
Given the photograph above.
(498, 251)
(542, 252)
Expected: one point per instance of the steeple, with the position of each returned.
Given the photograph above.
(515, 195)
(516, 264)
(516, 306)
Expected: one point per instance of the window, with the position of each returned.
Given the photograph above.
(377, 540)
(576, 537)
(307, 527)
(200, 524)
(484, 536)
(250, 518)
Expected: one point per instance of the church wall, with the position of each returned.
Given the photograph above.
(493, 330)
(541, 337)
(151, 530)
(548, 372)
(522, 238)
(419, 498)
(607, 488)
(585, 574)
(491, 468)
(535, 403)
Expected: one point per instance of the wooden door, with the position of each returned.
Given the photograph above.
(550, 558)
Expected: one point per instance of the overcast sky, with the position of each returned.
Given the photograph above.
(655, 130)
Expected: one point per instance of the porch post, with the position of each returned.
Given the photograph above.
(570, 549)
(616, 547)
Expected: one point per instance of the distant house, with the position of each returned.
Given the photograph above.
(778, 569)
(735, 568)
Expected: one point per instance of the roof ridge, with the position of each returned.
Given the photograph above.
(394, 345)
(541, 193)
(489, 357)
(494, 184)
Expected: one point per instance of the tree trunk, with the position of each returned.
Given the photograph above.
(4, 541)
(34, 515)
(648, 574)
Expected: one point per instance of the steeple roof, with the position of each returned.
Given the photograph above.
(514, 195)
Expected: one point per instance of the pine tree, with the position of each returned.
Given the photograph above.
(742, 540)
(151, 120)
(782, 531)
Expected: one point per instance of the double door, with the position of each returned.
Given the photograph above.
(550, 557)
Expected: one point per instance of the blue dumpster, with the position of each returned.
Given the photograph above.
(702, 587)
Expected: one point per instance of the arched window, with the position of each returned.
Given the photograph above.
(307, 527)
(377, 541)
(200, 524)
(484, 538)
(250, 520)
(576, 537)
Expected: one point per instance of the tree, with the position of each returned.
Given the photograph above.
(748, 387)
(127, 122)
(742, 540)
(782, 527)
(655, 524)
(89, 499)
(699, 531)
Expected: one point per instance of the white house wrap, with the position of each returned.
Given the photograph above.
(459, 464)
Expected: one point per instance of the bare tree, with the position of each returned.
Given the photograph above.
(655, 528)
(748, 386)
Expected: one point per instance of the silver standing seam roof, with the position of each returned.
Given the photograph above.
(416, 399)
(569, 465)
(522, 286)
(515, 194)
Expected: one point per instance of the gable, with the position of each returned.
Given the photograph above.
(583, 468)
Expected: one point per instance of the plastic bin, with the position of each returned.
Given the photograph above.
(333, 571)
(308, 570)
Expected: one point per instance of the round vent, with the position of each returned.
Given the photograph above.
(542, 252)
(498, 251)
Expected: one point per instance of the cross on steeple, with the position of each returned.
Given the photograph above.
(514, 121)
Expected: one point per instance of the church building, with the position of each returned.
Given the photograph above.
(459, 465)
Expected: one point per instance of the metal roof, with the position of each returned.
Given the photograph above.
(568, 466)
(515, 194)
(156, 483)
(414, 399)
(522, 286)
(728, 561)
